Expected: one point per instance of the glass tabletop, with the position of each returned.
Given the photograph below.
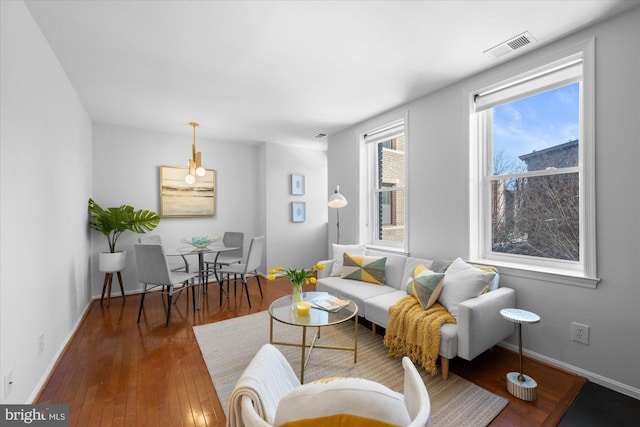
(214, 247)
(281, 311)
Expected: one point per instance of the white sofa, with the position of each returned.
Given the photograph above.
(479, 324)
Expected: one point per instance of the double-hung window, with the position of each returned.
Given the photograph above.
(532, 205)
(385, 189)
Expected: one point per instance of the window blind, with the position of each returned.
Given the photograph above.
(385, 133)
(551, 76)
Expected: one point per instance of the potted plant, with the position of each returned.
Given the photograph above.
(112, 222)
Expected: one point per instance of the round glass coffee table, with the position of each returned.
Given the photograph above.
(282, 311)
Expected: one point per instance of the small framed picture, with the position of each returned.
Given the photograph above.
(298, 211)
(297, 184)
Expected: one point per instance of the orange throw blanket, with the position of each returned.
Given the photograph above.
(415, 332)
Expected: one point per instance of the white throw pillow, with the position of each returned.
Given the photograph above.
(461, 282)
(338, 255)
(342, 401)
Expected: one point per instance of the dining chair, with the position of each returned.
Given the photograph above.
(155, 239)
(230, 239)
(154, 271)
(250, 266)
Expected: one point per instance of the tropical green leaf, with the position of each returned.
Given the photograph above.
(115, 220)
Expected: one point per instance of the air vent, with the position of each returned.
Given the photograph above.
(510, 45)
(320, 136)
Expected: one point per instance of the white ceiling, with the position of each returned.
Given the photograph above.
(283, 71)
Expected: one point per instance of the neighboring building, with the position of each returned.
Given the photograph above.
(539, 216)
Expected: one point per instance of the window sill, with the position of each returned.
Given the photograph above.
(542, 274)
(389, 249)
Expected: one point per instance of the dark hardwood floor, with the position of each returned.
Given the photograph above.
(115, 372)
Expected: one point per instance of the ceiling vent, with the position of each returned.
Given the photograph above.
(320, 136)
(510, 45)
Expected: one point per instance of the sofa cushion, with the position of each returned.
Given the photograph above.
(393, 268)
(377, 307)
(409, 267)
(338, 254)
(420, 268)
(355, 290)
(342, 401)
(427, 286)
(364, 268)
(493, 284)
(461, 282)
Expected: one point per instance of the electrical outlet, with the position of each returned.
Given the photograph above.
(8, 384)
(40, 343)
(580, 333)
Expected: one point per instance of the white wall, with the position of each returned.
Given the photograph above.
(300, 244)
(253, 190)
(126, 170)
(45, 180)
(438, 210)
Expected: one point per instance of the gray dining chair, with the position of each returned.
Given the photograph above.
(155, 239)
(250, 266)
(230, 239)
(153, 271)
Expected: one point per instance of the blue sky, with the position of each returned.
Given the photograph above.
(537, 122)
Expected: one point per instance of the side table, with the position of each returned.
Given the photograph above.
(518, 384)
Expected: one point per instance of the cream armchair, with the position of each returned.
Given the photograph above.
(269, 377)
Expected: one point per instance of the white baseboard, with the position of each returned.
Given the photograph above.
(593, 377)
(45, 376)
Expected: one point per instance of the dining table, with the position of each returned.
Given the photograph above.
(216, 248)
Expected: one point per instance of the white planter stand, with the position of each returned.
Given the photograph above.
(110, 263)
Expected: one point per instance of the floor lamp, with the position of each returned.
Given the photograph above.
(337, 201)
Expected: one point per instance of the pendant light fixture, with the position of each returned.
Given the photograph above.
(195, 162)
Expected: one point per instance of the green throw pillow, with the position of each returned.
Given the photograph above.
(416, 271)
(427, 286)
(364, 268)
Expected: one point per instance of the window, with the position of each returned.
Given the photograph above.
(532, 207)
(386, 177)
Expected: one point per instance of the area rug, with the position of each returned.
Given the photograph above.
(229, 345)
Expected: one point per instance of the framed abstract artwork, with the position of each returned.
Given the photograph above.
(179, 199)
(298, 211)
(297, 184)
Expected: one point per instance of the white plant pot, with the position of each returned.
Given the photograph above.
(111, 262)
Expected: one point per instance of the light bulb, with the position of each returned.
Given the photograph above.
(189, 179)
(201, 171)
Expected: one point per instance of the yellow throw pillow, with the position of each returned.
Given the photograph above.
(416, 271)
(427, 287)
(493, 284)
(364, 268)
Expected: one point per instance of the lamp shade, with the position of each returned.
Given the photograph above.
(337, 200)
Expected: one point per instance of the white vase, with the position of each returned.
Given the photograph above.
(111, 262)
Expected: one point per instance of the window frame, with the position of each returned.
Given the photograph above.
(579, 273)
(370, 190)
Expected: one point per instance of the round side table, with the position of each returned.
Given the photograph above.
(518, 384)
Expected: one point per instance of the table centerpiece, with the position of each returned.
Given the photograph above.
(297, 278)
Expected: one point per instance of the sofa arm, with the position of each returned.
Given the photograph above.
(328, 265)
(480, 325)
